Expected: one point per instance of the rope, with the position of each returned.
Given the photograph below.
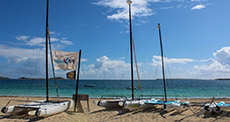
(139, 82)
(123, 69)
(36, 65)
(173, 89)
(156, 71)
(51, 56)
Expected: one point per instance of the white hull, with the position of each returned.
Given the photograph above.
(22, 108)
(209, 107)
(53, 108)
(38, 108)
(108, 104)
(168, 105)
(174, 105)
(133, 104)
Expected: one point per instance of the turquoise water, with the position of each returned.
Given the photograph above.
(179, 88)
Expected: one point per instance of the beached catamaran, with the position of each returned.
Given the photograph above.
(212, 107)
(133, 103)
(108, 104)
(122, 101)
(167, 105)
(45, 107)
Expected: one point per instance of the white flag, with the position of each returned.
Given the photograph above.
(65, 60)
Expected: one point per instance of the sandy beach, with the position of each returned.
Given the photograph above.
(99, 114)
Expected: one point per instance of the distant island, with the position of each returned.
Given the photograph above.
(58, 78)
(4, 77)
(26, 78)
(61, 78)
(222, 79)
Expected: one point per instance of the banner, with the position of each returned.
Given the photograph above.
(65, 60)
(71, 75)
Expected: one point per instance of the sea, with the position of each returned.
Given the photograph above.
(179, 88)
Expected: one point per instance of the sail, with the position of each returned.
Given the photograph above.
(65, 60)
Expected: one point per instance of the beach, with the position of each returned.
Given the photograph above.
(99, 114)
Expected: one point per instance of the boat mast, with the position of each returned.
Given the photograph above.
(162, 61)
(77, 85)
(47, 33)
(131, 44)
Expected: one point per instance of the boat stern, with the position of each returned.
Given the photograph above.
(7, 109)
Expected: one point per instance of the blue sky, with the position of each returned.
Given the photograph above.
(196, 37)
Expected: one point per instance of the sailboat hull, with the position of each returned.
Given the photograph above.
(168, 105)
(224, 106)
(109, 104)
(22, 108)
(40, 108)
(51, 108)
(134, 104)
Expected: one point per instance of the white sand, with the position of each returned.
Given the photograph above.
(99, 114)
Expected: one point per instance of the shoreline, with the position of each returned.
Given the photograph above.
(182, 98)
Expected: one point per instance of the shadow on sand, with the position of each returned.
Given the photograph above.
(206, 115)
(21, 117)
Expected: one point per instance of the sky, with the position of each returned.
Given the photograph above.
(195, 35)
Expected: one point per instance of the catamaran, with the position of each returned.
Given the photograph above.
(122, 101)
(45, 107)
(167, 105)
(213, 107)
(133, 103)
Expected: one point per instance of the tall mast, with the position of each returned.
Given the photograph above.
(162, 61)
(47, 32)
(131, 44)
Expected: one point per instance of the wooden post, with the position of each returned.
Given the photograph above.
(78, 73)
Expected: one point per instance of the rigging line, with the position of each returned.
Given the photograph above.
(51, 56)
(170, 78)
(36, 65)
(123, 69)
(156, 71)
(138, 76)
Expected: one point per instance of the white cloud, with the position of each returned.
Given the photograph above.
(223, 55)
(106, 68)
(66, 42)
(17, 55)
(29, 60)
(221, 63)
(22, 38)
(37, 41)
(157, 60)
(214, 68)
(84, 60)
(118, 9)
(199, 0)
(211, 71)
(40, 41)
(198, 7)
(140, 8)
(169, 7)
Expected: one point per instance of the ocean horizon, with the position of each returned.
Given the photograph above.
(176, 88)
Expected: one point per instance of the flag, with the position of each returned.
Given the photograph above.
(65, 60)
(71, 75)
